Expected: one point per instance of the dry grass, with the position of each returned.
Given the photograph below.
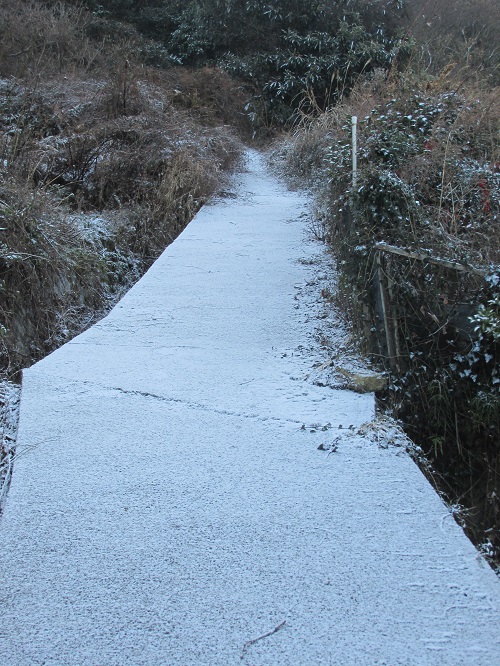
(39, 39)
(41, 273)
(429, 181)
(87, 130)
(461, 32)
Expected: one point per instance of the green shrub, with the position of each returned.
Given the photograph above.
(429, 185)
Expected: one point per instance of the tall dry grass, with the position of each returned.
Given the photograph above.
(88, 132)
(464, 33)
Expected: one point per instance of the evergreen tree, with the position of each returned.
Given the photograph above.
(294, 54)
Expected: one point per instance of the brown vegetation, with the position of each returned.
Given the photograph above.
(103, 163)
(461, 35)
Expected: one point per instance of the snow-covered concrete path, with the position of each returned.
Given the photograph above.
(169, 503)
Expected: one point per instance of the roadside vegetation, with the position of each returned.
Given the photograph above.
(417, 242)
(120, 118)
(103, 162)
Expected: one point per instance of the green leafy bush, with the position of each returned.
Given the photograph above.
(428, 187)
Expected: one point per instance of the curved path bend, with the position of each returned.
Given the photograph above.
(169, 504)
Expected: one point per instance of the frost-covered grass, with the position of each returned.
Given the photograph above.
(9, 417)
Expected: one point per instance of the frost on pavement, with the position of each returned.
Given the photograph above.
(190, 490)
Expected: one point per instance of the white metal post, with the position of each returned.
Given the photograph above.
(354, 151)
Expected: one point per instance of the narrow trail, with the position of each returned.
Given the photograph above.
(169, 504)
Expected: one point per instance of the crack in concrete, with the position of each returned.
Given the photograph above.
(202, 407)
